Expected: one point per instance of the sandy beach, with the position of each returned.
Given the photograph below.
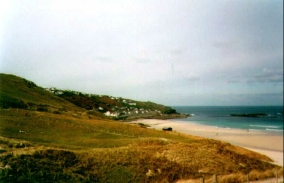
(258, 141)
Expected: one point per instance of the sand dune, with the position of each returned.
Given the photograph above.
(258, 141)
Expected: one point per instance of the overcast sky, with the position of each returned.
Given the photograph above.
(173, 52)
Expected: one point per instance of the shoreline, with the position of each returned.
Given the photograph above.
(262, 142)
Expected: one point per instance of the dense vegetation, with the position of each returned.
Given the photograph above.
(53, 140)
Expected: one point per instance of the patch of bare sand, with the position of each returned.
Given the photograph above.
(268, 144)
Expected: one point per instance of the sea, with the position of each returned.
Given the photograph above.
(220, 116)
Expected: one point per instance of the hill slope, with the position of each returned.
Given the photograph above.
(16, 92)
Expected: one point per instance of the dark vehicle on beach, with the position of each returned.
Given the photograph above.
(168, 129)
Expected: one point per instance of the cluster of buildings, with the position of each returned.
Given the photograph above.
(129, 111)
(54, 91)
(129, 107)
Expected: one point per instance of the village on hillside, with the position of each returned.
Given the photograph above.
(108, 105)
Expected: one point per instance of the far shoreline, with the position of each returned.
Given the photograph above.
(270, 144)
(264, 132)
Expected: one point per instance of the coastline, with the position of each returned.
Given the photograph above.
(259, 141)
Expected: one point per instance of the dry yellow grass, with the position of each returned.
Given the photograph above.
(268, 176)
(130, 151)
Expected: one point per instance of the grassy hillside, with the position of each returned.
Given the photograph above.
(17, 92)
(20, 93)
(51, 145)
(90, 101)
(119, 107)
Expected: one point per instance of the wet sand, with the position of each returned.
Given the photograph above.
(262, 142)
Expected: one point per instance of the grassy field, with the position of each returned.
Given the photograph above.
(47, 147)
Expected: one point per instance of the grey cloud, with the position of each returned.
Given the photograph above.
(253, 76)
(260, 99)
(235, 99)
(268, 75)
(271, 75)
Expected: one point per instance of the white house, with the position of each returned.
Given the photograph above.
(115, 114)
(107, 113)
(58, 92)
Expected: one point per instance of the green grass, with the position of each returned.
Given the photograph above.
(16, 91)
(62, 130)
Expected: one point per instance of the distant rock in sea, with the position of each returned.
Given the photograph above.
(256, 115)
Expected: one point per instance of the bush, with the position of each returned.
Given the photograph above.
(30, 84)
(43, 166)
(170, 111)
(42, 109)
(10, 146)
(57, 112)
(3, 150)
(10, 102)
(4, 142)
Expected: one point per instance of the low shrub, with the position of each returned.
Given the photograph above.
(42, 166)
(4, 142)
(42, 109)
(10, 102)
(57, 112)
(2, 150)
